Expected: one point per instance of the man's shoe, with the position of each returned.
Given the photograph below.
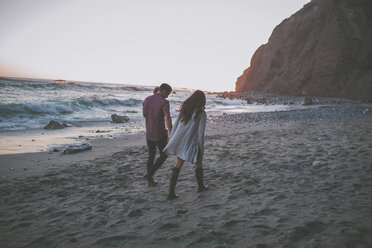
(150, 181)
(203, 188)
(172, 196)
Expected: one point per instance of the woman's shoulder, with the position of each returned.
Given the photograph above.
(202, 115)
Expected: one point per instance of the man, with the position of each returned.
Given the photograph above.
(156, 112)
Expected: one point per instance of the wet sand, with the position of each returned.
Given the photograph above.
(31, 141)
(283, 179)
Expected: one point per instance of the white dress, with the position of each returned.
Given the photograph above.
(187, 140)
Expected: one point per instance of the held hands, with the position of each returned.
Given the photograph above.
(169, 134)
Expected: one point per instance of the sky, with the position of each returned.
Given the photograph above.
(199, 44)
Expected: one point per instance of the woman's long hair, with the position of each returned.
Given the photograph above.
(195, 103)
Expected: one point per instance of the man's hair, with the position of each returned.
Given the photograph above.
(156, 89)
(165, 87)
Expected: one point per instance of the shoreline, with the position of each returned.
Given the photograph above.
(105, 144)
(272, 98)
(41, 140)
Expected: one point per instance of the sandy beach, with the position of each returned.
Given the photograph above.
(274, 96)
(300, 178)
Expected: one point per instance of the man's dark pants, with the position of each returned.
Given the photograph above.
(152, 145)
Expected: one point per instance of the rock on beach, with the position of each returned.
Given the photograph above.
(53, 125)
(119, 118)
(307, 101)
(77, 148)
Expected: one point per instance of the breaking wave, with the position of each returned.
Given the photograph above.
(63, 108)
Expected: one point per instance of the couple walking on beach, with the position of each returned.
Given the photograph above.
(186, 137)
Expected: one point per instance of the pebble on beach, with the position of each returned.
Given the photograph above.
(319, 163)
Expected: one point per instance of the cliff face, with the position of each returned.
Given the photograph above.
(325, 49)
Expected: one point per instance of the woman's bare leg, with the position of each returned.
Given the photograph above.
(199, 163)
(179, 163)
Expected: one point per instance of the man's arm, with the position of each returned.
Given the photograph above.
(144, 107)
(167, 117)
(168, 122)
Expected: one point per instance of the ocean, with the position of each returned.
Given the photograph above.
(28, 104)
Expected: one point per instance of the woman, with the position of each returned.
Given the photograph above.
(187, 139)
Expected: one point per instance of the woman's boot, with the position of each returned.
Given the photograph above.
(199, 179)
(172, 194)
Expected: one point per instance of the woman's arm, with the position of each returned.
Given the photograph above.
(201, 129)
(175, 125)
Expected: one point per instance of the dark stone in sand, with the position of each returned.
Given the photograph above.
(102, 131)
(135, 213)
(55, 149)
(77, 148)
(322, 50)
(53, 125)
(182, 211)
(66, 124)
(119, 118)
(307, 101)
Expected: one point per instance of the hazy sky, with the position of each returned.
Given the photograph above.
(202, 44)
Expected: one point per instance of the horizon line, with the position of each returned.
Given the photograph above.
(102, 82)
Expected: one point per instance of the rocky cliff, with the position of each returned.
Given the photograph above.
(325, 49)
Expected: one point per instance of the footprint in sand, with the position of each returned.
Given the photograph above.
(169, 226)
(135, 213)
